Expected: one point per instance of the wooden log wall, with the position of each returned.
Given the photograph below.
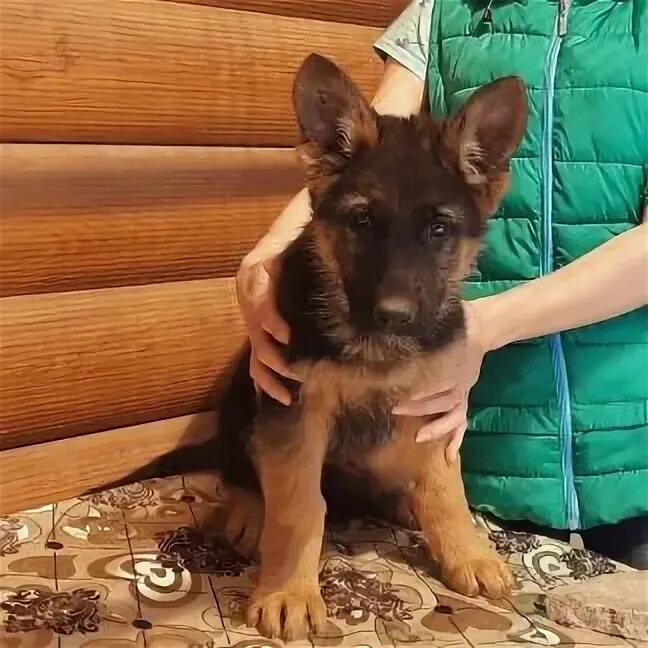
(145, 145)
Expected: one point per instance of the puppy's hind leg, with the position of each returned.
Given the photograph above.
(244, 520)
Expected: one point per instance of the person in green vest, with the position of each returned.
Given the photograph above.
(553, 389)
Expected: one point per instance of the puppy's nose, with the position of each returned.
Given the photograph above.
(395, 311)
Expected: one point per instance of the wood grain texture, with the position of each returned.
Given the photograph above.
(81, 362)
(151, 72)
(376, 13)
(45, 473)
(89, 216)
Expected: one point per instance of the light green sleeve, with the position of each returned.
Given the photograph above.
(407, 39)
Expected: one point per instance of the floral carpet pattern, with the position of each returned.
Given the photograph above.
(144, 566)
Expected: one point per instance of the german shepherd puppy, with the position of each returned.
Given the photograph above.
(370, 290)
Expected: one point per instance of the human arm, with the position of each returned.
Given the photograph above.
(608, 281)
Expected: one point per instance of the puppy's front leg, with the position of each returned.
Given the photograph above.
(436, 496)
(287, 595)
(469, 565)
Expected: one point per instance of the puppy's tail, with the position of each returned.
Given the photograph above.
(194, 458)
(226, 451)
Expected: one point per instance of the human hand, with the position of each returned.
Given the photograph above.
(447, 402)
(256, 292)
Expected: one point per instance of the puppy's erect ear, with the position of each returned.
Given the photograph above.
(481, 138)
(335, 120)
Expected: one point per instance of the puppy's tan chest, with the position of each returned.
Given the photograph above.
(330, 383)
(355, 406)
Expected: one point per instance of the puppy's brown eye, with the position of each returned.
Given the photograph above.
(436, 230)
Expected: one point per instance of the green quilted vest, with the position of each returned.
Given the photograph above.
(558, 425)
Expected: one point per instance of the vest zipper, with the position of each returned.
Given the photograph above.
(555, 341)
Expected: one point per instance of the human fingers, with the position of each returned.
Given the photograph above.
(443, 425)
(268, 353)
(265, 380)
(272, 322)
(270, 317)
(429, 404)
(454, 443)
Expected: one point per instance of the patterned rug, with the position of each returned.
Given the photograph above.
(143, 566)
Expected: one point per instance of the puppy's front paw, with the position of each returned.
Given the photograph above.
(288, 614)
(486, 575)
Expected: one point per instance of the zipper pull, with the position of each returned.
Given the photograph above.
(562, 17)
(487, 16)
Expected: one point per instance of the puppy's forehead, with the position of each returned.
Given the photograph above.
(402, 181)
(403, 170)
